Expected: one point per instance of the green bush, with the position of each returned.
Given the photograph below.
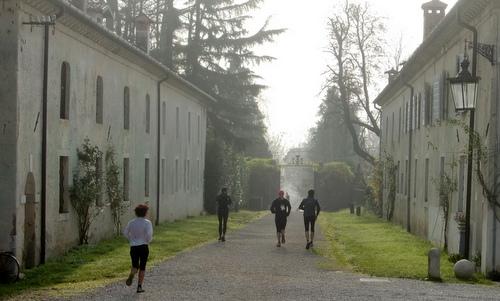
(335, 186)
(262, 182)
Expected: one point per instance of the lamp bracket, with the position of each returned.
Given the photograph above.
(485, 50)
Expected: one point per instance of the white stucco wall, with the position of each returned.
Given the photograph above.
(87, 60)
(442, 139)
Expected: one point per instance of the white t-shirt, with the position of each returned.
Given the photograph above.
(139, 231)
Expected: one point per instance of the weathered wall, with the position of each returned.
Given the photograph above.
(9, 23)
(88, 60)
(442, 141)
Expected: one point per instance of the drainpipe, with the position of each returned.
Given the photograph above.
(158, 174)
(410, 148)
(46, 22)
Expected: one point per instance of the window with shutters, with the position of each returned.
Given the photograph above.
(189, 127)
(386, 130)
(415, 179)
(146, 177)
(65, 90)
(426, 181)
(392, 128)
(419, 110)
(198, 129)
(162, 176)
(406, 177)
(99, 112)
(176, 175)
(415, 113)
(397, 180)
(428, 107)
(164, 118)
(63, 185)
(399, 127)
(148, 114)
(177, 116)
(407, 117)
(126, 108)
(126, 173)
(438, 105)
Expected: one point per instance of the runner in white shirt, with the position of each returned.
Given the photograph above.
(139, 233)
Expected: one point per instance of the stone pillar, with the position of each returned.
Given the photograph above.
(434, 264)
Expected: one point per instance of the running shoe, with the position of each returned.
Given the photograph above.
(129, 280)
(283, 239)
(278, 245)
(311, 244)
(308, 245)
(140, 289)
(223, 238)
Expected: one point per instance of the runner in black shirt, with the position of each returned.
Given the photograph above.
(223, 201)
(281, 209)
(311, 208)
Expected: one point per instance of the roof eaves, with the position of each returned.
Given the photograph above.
(82, 17)
(428, 48)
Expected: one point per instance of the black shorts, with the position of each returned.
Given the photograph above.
(280, 222)
(139, 256)
(309, 220)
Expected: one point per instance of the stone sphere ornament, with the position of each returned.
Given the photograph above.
(464, 269)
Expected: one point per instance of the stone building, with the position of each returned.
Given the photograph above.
(422, 135)
(99, 87)
(296, 175)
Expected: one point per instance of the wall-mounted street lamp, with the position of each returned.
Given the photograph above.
(464, 91)
(464, 88)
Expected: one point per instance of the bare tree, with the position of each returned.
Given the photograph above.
(355, 42)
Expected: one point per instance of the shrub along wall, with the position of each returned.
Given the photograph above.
(335, 186)
(262, 183)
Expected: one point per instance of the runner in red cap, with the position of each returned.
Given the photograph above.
(281, 209)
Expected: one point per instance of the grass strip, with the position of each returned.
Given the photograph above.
(370, 245)
(90, 266)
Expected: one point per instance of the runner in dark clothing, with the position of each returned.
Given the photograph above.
(281, 209)
(311, 208)
(223, 201)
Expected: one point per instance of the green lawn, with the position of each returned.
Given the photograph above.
(87, 267)
(375, 247)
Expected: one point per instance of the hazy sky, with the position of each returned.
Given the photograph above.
(295, 77)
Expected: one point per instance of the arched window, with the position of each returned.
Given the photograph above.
(65, 90)
(99, 100)
(126, 108)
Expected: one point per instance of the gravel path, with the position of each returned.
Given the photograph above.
(248, 266)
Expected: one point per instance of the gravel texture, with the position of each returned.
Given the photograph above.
(249, 266)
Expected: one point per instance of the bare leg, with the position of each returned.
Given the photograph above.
(307, 236)
(141, 277)
(283, 236)
(130, 278)
(312, 236)
(278, 235)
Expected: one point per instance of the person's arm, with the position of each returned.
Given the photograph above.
(149, 232)
(273, 209)
(301, 206)
(125, 231)
(289, 208)
(318, 208)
